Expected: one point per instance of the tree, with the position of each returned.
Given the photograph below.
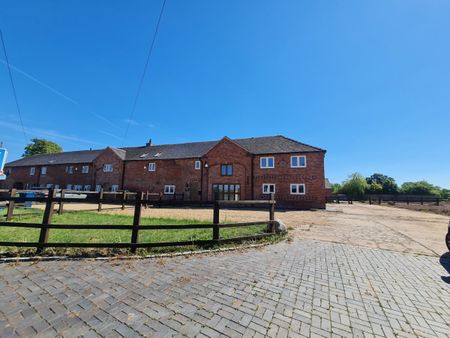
(41, 146)
(336, 188)
(445, 193)
(375, 188)
(355, 186)
(420, 188)
(387, 183)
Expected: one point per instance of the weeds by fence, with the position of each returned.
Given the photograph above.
(136, 200)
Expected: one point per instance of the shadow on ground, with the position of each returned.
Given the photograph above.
(445, 262)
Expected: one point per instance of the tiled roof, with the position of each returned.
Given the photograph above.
(255, 145)
(83, 156)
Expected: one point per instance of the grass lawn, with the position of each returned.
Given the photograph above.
(108, 236)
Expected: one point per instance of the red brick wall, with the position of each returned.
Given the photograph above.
(56, 174)
(181, 173)
(227, 152)
(107, 179)
(283, 175)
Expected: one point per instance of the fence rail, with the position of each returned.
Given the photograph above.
(378, 199)
(140, 199)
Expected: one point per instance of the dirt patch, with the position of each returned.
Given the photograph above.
(374, 226)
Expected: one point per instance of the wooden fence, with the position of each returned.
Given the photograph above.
(138, 200)
(378, 199)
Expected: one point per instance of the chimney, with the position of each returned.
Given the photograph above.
(149, 142)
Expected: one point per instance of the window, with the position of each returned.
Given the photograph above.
(169, 189)
(85, 169)
(56, 186)
(152, 167)
(226, 170)
(227, 192)
(267, 162)
(32, 171)
(49, 185)
(114, 188)
(44, 171)
(107, 168)
(268, 188)
(297, 189)
(77, 187)
(98, 187)
(69, 169)
(69, 187)
(87, 187)
(198, 165)
(298, 161)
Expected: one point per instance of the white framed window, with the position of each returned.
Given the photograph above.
(44, 171)
(77, 187)
(267, 162)
(98, 187)
(169, 189)
(107, 168)
(298, 189)
(69, 169)
(152, 166)
(298, 161)
(69, 187)
(268, 188)
(85, 169)
(49, 185)
(87, 187)
(198, 165)
(32, 171)
(114, 188)
(56, 186)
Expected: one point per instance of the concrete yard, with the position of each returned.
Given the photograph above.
(350, 271)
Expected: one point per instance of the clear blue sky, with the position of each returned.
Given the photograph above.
(367, 80)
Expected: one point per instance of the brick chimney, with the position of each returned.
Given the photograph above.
(149, 142)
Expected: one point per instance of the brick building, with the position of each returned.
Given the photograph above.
(251, 168)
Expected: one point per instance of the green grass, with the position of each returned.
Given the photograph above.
(109, 236)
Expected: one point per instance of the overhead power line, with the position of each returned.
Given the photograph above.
(150, 51)
(13, 87)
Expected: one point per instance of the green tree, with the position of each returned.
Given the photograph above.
(388, 184)
(375, 188)
(336, 188)
(420, 188)
(355, 186)
(445, 193)
(41, 146)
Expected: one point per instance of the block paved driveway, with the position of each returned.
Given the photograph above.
(300, 288)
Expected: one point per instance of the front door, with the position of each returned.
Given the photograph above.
(227, 192)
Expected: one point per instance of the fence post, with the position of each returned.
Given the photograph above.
(370, 200)
(11, 205)
(47, 219)
(146, 200)
(61, 204)
(124, 197)
(421, 200)
(437, 201)
(216, 219)
(136, 221)
(379, 200)
(100, 197)
(272, 208)
(407, 200)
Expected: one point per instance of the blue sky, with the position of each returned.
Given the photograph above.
(367, 80)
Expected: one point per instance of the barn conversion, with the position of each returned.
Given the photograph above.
(227, 169)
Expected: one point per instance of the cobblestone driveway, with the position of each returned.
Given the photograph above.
(303, 288)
